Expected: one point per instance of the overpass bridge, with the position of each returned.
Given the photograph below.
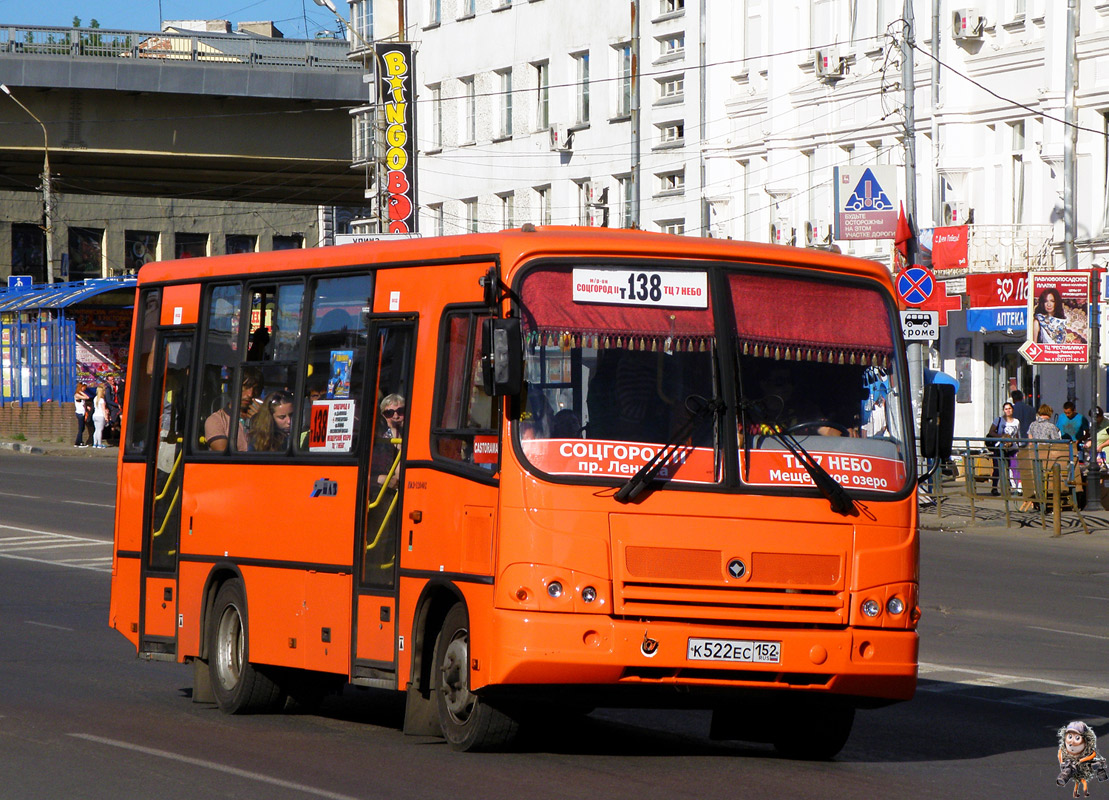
(217, 116)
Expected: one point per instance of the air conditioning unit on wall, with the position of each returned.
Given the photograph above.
(828, 64)
(782, 232)
(955, 212)
(967, 23)
(562, 139)
(817, 232)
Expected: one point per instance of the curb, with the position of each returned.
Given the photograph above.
(21, 447)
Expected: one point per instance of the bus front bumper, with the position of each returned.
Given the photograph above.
(543, 648)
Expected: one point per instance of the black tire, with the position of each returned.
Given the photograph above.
(816, 733)
(468, 722)
(239, 687)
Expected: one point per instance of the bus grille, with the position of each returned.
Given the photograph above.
(779, 589)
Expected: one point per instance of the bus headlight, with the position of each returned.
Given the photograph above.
(541, 587)
(871, 608)
(554, 589)
(895, 605)
(589, 594)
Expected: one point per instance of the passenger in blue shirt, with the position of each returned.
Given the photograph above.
(1073, 425)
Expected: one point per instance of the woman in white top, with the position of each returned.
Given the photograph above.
(99, 417)
(79, 399)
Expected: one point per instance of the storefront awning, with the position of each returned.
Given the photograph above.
(60, 295)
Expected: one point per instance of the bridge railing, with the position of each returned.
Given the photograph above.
(199, 46)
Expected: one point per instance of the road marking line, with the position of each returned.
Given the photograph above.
(71, 502)
(52, 533)
(53, 563)
(196, 762)
(47, 545)
(1069, 633)
(932, 669)
(45, 625)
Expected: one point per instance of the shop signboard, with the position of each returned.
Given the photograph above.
(1058, 316)
(997, 301)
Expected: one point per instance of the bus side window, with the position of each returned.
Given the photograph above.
(138, 428)
(335, 367)
(464, 410)
(222, 353)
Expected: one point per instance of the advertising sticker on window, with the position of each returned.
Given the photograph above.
(853, 471)
(607, 459)
(332, 426)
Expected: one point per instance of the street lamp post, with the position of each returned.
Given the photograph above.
(47, 195)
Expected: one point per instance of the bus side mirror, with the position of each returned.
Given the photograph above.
(502, 356)
(937, 421)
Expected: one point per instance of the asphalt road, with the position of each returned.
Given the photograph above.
(1013, 646)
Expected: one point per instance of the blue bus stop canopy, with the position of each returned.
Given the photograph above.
(60, 295)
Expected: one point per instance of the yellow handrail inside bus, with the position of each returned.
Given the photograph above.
(172, 472)
(388, 477)
(384, 522)
(169, 512)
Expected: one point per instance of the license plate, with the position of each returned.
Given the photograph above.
(734, 650)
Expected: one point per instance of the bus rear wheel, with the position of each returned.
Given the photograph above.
(468, 722)
(239, 687)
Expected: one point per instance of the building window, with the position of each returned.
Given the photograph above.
(436, 117)
(469, 110)
(470, 207)
(585, 200)
(543, 204)
(292, 242)
(508, 210)
(467, 9)
(139, 247)
(190, 245)
(671, 133)
(434, 12)
(672, 182)
(671, 90)
(624, 77)
(581, 62)
(437, 219)
(1018, 178)
(504, 77)
(675, 226)
(240, 243)
(542, 95)
(671, 46)
(362, 21)
(671, 6)
(362, 132)
(627, 201)
(29, 252)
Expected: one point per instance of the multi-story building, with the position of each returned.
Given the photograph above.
(530, 111)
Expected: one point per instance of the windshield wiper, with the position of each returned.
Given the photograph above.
(649, 471)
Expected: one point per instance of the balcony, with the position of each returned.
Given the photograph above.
(1006, 248)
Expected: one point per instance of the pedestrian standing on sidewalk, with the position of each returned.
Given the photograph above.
(80, 398)
(1022, 411)
(99, 417)
(1002, 436)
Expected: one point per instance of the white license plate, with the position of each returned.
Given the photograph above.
(734, 650)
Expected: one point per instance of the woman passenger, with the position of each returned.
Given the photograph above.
(270, 428)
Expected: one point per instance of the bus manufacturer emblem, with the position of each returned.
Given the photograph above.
(649, 646)
(736, 568)
(325, 488)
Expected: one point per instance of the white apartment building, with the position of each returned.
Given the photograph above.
(528, 113)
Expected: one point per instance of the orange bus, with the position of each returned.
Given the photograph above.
(612, 468)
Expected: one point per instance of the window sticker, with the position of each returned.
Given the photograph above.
(338, 385)
(332, 426)
(642, 288)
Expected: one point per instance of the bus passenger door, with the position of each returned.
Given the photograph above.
(162, 525)
(391, 344)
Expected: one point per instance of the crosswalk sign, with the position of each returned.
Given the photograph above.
(16, 282)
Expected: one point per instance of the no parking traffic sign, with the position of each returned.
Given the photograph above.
(915, 285)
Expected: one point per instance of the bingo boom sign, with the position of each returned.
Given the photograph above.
(396, 91)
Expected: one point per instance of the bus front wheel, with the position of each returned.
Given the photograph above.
(468, 722)
(238, 686)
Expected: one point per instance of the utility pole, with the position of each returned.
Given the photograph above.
(914, 350)
(47, 188)
(634, 178)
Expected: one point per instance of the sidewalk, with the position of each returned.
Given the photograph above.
(989, 518)
(37, 447)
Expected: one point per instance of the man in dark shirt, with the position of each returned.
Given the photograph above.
(1022, 411)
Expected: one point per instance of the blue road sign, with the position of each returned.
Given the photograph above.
(16, 282)
(915, 284)
(868, 195)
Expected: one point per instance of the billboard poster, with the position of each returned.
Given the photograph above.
(997, 301)
(949, 248)
(1058, 318)
(397, 106)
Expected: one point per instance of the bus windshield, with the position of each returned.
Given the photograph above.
(621, 360)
